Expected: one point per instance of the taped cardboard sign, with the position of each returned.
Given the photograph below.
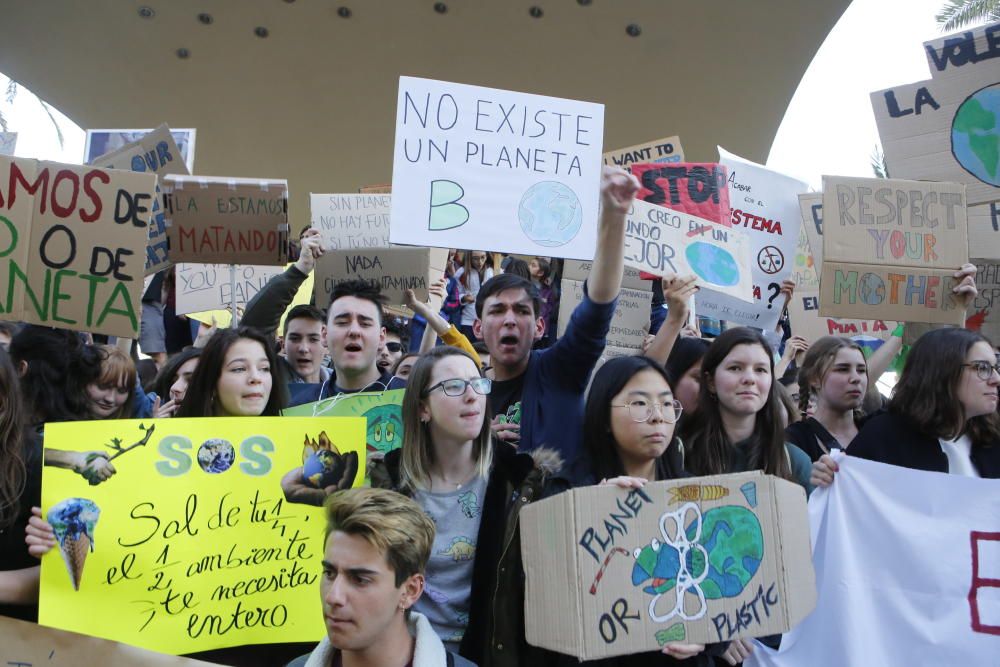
(226, 220)
(203, 287)
(629, 323)
(658, 151)
(610, 571)
(805, 320)
(351, 221)
(72, 245)
(394, 270)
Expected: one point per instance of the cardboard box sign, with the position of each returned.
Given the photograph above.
(803, 313)
(579, 270)
(222, 220)
(664, 150)
(629, 323)
(602, 564)
(202, 287)
(351, 221)
(395, 270)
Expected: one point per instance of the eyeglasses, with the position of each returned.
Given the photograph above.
(641, 410)
(394, 347)
(984, 369)
(456, 386)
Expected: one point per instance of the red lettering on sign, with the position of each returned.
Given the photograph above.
(981, 582)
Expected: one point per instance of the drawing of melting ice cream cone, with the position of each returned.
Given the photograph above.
(73, 521)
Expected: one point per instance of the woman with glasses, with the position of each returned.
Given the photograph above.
(943, 412)
(474, 489)
(739, 425)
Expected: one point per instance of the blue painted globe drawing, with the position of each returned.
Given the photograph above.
(550, 214)
(871, 289)
(216, 455)
(975, 134)
(321, 469)
(713, 264)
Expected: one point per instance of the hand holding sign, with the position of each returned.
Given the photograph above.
(311, 248)
(618, 189)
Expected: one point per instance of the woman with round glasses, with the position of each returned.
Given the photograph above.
(943, 412)
(473, 488)
(739, 425)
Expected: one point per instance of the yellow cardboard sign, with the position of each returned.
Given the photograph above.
(193, 543)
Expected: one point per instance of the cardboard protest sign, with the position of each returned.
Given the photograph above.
(378, 189)
(658, 151)
(382, 411)
(226, 220)
(948, 128)
(8, 142)
(698, 189)
(24, 644)
(194, 543)
(984, 313)
(72, 244)
(890, 248)
(211, 286)
(764, 204)
(155, 153)
(804, 271)
(517, 172)
(349, 222)
(104, 141)
(661, 241)
(984, 230)
(805, 320)
(612, 572)
(811, 209)
(395, 270)
(579, 270)
(629, 323)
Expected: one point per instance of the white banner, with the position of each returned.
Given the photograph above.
(907, 571)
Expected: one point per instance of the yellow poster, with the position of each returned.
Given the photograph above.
(206, 534)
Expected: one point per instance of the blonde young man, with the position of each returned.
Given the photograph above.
(377, 546)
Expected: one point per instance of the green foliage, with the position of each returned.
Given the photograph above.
(960, 13)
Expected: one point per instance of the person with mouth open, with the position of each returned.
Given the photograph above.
(377, 546)
(537, 396)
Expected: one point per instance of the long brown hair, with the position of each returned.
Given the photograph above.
(418, 449)
(817, 364)
(709, 449)
(13, 418)
(927, 391)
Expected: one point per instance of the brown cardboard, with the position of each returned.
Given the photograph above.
(984, 313)
(868, 291)
(984, 230)
(804, 271)
(395, 269)
(805, 320)
(351, 221)
(580, 556)
(226, 220)
(579, 270)
(25, 644)
(629, 323)
(72, 245)
(916, 121)
(811, 208)
(667, 149)
(380, 189)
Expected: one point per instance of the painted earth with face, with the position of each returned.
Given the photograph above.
(385, 428)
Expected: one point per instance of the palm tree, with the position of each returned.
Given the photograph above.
(12, 90)
(960, 13)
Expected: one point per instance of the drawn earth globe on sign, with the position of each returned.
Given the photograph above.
(216, 455)
(975, 134)
(713, 264)
(550, 214)
(871, 289)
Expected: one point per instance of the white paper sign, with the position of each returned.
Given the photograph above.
(518, 173)
(210, 287)
(351, 221)
(663, 241)
(764, 204)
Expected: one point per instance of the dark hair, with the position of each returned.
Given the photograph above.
(686, 352)
(467, 267)
(168, 374)
(406, 355)
(519, 267)
(50, 388)
(480, 347)
(598, 442)
(504, 282)
(545, 267)
(199, 401)
(359, 289)
(927, 390)
(8, 328)
(817, 363)
(303, 311)
(709, 450)
(785, 398)
(394, 325)
(13, 464)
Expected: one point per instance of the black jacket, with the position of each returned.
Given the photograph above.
(893, 439)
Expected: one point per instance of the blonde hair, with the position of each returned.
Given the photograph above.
(817, 363)
(117, 370)
(418, 450)
(389, 521)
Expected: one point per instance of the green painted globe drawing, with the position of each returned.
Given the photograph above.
(871, 289)
(713, 264)
(975, 134)
(550, 214)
